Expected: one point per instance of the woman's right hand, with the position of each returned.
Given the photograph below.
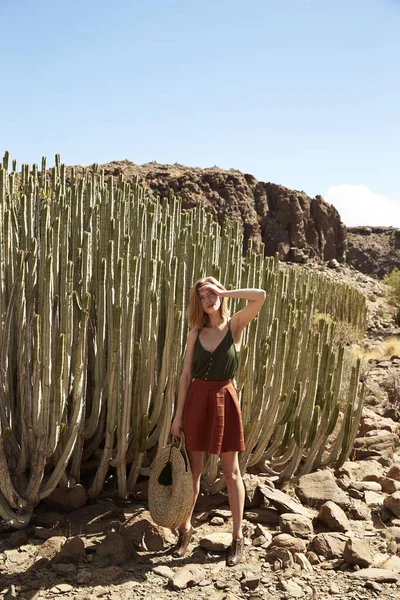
(176, 426)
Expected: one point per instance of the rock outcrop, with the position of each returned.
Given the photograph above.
(373, 250)
(286, 221)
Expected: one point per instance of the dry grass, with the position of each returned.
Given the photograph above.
(385, 350)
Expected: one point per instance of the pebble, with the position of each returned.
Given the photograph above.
(217, 521)
(62, 588)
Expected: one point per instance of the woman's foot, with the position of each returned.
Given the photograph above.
(183, 543)
(235, 552)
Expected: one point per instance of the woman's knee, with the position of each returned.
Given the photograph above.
(233, 475)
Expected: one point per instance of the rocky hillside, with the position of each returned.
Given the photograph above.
(373, 250)
(286, 221)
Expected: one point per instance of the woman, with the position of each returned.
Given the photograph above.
(208, 409)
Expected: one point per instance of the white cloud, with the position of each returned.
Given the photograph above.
(358, 205)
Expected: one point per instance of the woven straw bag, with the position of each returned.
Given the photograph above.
(171, 485)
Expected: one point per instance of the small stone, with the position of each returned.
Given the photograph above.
(296, 525)
(83, 577)
(216, 542)
(261, 530)
(373, 499)
(374, 574)
(251, 582)
(62, 588)
(217, 521)
(73, 551)
(333, 517)
(280, 558)
(52, 546)
(394, 472)
(202, 517)
(292, 588)
(390, 486)
(164, 571)
(302, 561)
(329, 545)
(357, 552)
(393, 564)
(289, 542)
(223, 513)
(393, 503)
(312, 557)
(372, 585)
(259, 541)
(67, 498)
(187, 576)
(367, 486)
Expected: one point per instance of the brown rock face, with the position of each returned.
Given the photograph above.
(295, 220)
(374, 250)
(269, 213)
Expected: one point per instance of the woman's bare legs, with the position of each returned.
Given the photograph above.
(196, 460)
(185, 530)
(234, 483)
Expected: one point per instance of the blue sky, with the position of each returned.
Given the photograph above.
(304, 93)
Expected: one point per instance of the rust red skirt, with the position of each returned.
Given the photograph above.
(211, 420)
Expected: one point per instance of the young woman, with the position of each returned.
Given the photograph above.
(208, 409)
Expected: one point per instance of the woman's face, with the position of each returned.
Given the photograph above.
(210, 302)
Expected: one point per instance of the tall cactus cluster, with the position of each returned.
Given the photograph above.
(94, 281)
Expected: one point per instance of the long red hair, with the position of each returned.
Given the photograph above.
(196, 316)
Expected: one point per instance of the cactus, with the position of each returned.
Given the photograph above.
(93, 289)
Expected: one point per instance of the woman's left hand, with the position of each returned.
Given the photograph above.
(210, 287)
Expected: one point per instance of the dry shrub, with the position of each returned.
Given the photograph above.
(349, 359)
(385, 350)
(392, 388)
(393, 287)
(344, 333)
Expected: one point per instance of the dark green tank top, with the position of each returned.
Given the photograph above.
(219, 365)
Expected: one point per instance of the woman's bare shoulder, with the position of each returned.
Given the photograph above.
(192, 335)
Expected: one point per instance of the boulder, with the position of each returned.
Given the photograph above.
(67, 498)
(333, 517)
(329, 545)
(296, 525)
(114, 550)
(317, 488)
(392, 502)
(357, 552)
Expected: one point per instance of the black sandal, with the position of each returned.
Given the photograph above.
(235, 553)
(183, 543)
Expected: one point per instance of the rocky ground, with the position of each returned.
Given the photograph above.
(328, 535)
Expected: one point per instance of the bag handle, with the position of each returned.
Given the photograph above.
(179, 441)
